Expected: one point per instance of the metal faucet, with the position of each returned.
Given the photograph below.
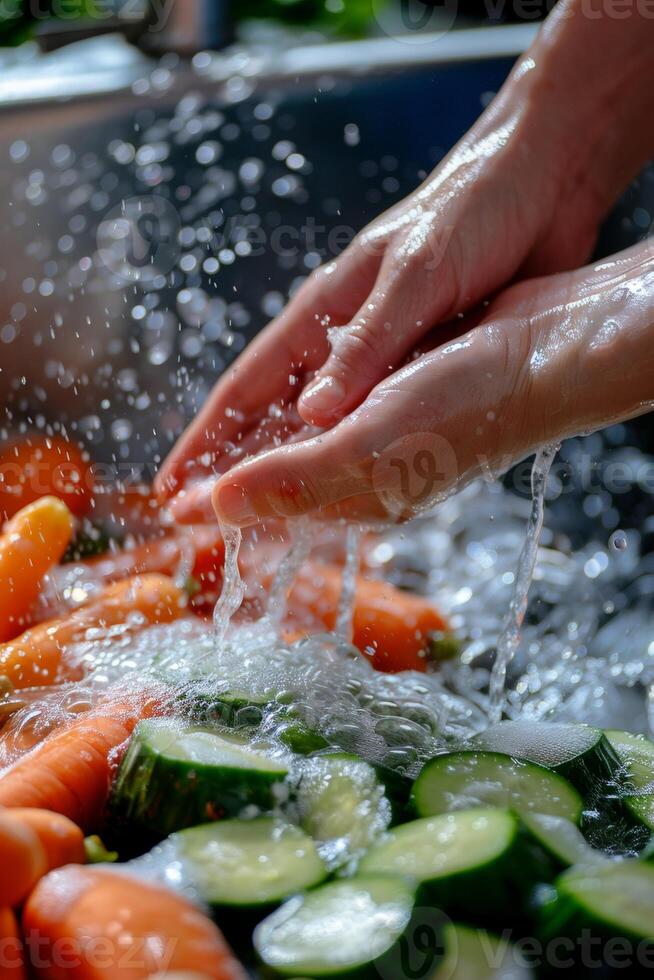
(156, 26)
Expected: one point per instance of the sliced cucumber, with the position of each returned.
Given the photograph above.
(637, 755)
(561, 839)
(348, 928)
(580, 753)
(593, 906)
(479, 864)
(175, 776)
(459, 780)
(249, 863)
(474, 954)
(342, 805)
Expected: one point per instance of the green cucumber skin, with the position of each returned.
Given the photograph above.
(498, 894)
(163, 795)
(593, 769)
(416, 809)
(587, 772)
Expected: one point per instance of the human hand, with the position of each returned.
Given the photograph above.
(551, 357)
(501, 202)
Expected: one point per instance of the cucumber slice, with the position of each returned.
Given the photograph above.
(592, 906)
(474, 954)
(561, 839)
(478, 863)
(459, 780)
(580, 753)
(176, 776)
(637, 755)
(249, 863)
(342, 805)
(349, 928)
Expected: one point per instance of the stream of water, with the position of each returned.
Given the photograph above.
(509, 639)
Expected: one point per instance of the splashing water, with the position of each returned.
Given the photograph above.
(510, 636)
(348, 588)
(285, 575)
(233, 590)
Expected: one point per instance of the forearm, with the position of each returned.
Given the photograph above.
(592, 358)
(587, 86)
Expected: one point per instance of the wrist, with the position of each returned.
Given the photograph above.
(584, 92)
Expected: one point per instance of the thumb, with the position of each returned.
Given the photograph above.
(296, 479)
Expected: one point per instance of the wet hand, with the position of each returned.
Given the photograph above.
(550, 358)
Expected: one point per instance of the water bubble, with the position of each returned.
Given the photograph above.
(618, 541)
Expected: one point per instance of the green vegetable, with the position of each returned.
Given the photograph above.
(580, 753)
(342, 804)
(474, 954)
(561, 839)
(366, 927)
(597, 907)
(458, 780)
(97, 853)
(478, 864)
(175, 776)
(637, 755)
(249, 863)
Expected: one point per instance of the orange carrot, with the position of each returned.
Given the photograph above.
(22, 859)
(33, 541)
(61, 839)
(392, 627)
(12, 960)
(117, 926)
(33, 842)
(70, 772)
(40, 465)
(37, 657)
(164, 554)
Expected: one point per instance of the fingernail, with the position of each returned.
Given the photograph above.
(325, 394)
(233, 505)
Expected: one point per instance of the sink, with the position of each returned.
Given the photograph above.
(260, 174)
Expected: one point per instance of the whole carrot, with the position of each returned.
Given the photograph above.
(204, 546)
(33, 842)
(32, 542)
(37, 657)
(117, 926)
(12, 959)
(70, 772)
(392, 627)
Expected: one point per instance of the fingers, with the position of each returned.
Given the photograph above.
(294, 480)
(419, 435)
(414, 290)
(272, 369)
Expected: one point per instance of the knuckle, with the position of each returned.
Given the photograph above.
(360, 353)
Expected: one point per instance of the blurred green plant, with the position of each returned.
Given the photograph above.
(346, 17)
(19, 18)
